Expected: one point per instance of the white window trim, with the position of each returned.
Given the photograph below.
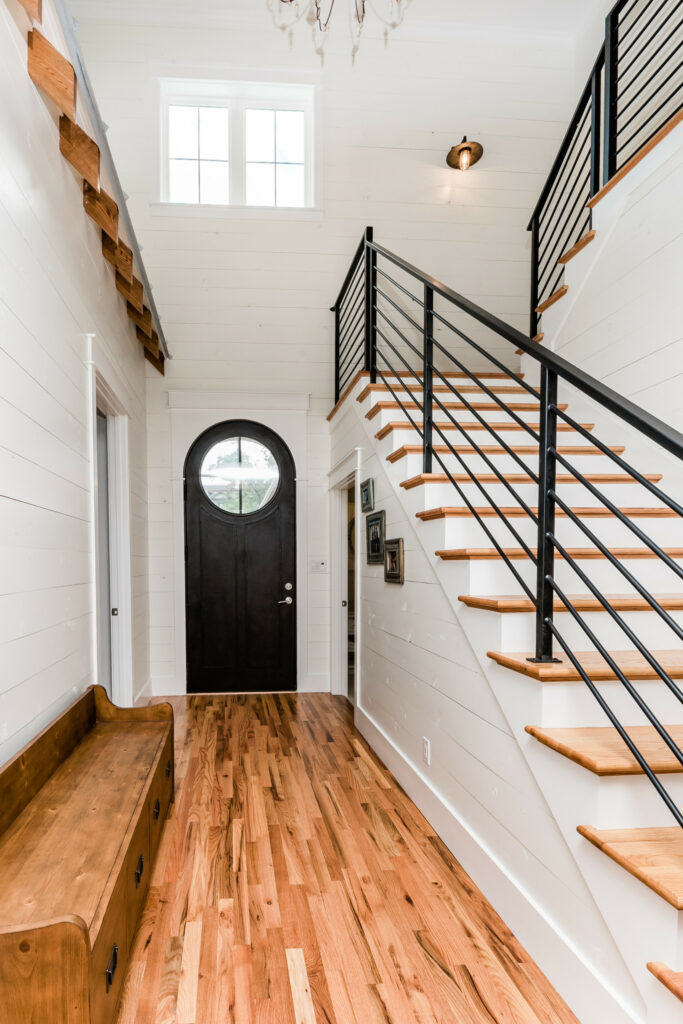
(237, 96)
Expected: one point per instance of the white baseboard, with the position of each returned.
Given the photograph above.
(577, 981)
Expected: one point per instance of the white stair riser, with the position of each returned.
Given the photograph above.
(465, 531)
(610, 801)
(398, 415)
(571, 705)
(493, 576)
(438, 495)
(516, 631)
(411, 464)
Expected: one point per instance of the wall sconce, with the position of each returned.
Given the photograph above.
(463, 156)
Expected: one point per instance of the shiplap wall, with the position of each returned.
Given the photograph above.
(55, 288)
(419, 677)
(245, 296)
(626, 326)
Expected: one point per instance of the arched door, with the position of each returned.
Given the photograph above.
(240, 554)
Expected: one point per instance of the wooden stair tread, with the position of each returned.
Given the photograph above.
(631, 663)
(603, 752)
(555, 297)
(507, 603)
(652, 855)
(562, 428)
(519, 554)
(466, 389)
(522, 478)
(479, 406)
(673, 980)
(576, 248)
(517, 512)
(496, 449)
(76, 877)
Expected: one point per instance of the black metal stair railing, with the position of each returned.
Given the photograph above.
(635, 88)
(444, 363)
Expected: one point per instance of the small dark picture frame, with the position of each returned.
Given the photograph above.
(374, 536)
(393, 561)
(367, 495)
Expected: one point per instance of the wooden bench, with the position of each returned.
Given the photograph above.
(82, 808)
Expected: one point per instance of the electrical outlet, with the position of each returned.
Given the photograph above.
(426, 750)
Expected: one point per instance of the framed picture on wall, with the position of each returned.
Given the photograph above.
(367, 495)
(393, 560)
(374, 536)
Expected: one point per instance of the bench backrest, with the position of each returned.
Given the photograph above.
(29, 770)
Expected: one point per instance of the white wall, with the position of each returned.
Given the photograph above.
(245, 297)
(55, 288)
(625, 326)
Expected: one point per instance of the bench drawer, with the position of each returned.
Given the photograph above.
(138, 869)
(110, 958)
(160, 797)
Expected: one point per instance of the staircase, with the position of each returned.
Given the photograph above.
(618, 826)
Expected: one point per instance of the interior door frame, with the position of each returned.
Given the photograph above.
(193, 412)
(284, 499)
(109, 394)
(346, 474)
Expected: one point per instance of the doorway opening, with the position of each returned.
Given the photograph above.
(240, 561)
(351, 594)
(106, 608)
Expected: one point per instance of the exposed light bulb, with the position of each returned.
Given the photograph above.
(464, 159)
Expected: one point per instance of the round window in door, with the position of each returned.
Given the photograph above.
(240, 550)
(239, 475)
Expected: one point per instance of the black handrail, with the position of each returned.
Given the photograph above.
(407, 366)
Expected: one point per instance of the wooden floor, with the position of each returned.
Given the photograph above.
(297, 883)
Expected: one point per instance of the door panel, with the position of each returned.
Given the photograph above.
(240, 636)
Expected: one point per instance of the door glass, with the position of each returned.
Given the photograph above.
(239, 475)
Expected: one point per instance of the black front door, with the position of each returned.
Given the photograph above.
(240, 551)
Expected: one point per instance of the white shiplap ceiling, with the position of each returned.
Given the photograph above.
(569, 18)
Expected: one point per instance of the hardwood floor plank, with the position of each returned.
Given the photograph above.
(297, 883)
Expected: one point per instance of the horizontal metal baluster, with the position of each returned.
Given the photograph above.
(623, 464)
(625, 106)
(398, 308)
(623, 54)
(582, 186)
(520, 501)
(627, 31)
(622, 732)
(646, 104)
(400, 287)
(478, 348)
(405, 411)
(401, 381)
(621, 622)
(654, 113)
(400, 334)
(396, 351)
(350, 350)
(522, 543)
(504, 445)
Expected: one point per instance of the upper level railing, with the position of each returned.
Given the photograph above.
(635, 88)
(429, 347)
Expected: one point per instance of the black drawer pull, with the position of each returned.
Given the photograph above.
(111, 967)
(157, 810)
(168, 770)
(139, 869)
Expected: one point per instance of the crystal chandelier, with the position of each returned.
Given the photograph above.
(318, 14)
